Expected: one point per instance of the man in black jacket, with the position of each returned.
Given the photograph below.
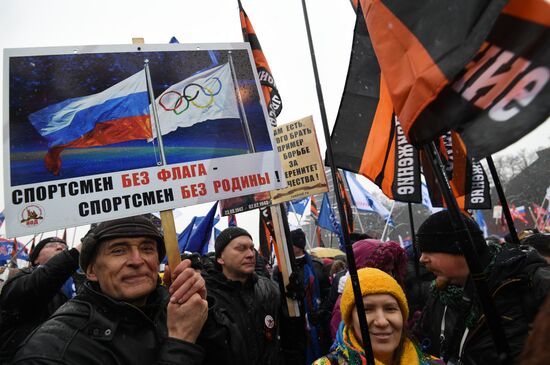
(247, 306)
(122, 315)
(518, 280)
(33, 294)
(307, 337)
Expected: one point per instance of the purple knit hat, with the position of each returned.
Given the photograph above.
(387, 256)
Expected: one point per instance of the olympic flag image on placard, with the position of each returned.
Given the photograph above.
(81, 141)
(207, 95)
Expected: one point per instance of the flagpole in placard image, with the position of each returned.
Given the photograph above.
(155, 112)
(244, 119)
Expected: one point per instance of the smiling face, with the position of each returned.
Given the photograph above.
(126, 269)
(238, 259)
(385, 323)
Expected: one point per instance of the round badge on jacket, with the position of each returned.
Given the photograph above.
(269, 321)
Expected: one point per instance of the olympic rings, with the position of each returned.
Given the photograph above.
(173, 101)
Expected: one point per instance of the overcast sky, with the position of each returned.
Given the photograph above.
(279, 26)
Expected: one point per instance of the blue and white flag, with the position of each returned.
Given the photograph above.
(426, 201)
(297, 206)
(363, 200)
(481, 222)
(328, 220)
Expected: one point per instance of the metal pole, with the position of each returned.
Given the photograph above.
(308, 245)
(358, 218)
(466, 245)
(244, 119)
(344, 224)
(415, 248)
(387, 222)
(502, 198)
(74, 236)
(155, 113)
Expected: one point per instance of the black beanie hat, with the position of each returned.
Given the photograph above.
(226, 236)
(437, 234)
(540, 241)
(40, 245)
(138, 226)
(298, 238)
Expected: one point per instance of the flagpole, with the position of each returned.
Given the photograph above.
(367, 347)
(533, 217)
(358, 218)
(387, 222)
(155, 112)
(244, 119)
(466, 245)
(295, 214)
(541, 206)
(502, 198)
(413, 238)
(20, 250)
(74, 237)
(166, 216)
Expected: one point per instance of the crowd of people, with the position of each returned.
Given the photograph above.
(105, 301)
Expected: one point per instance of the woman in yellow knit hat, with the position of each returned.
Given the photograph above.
(386, 309)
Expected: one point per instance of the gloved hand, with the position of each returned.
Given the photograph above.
(295, 289)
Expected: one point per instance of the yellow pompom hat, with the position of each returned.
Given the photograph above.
(372, 281)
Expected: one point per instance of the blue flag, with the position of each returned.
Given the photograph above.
(364, 200)
(298, 206)
(327, 220)
(202, 230)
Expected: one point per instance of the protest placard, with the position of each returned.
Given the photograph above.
(301, 161)
(81, 145)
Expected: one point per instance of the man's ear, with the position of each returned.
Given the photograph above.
(91, 272)
(219, 260)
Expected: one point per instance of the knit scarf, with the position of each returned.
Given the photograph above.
(347, 350)
(311, 305)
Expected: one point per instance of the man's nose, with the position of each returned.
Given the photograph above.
(423, 258)
(135, 257)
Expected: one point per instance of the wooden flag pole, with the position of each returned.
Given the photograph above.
(466, 245)
(367, 347)
(283, 256)
(166, 216)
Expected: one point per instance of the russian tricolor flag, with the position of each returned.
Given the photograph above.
(117, 114)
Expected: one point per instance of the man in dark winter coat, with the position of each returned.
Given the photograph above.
(122, 315)
(307, 337)
(518, 280)
(33, 294)
(246, 306)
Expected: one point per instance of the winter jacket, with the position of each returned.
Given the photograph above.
(30, 297)
(243, 327)
(518, 281)
(95, 329)
(296, 341)
(344, 353)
